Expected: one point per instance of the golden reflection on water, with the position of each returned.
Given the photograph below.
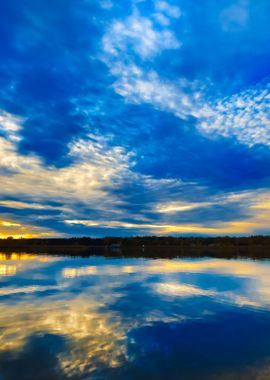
(95, 333)
(258, 294)
(17, 256)
(94, 336)
(220, 266)
(13, 263)
(7, 270)
(14, 256)
(77, 272)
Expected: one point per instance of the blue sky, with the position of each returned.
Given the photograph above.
(134, 118)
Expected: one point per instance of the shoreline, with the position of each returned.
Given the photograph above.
(148, 247)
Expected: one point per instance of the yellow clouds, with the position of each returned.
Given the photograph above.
(256, 203)
(32, 206)
(95, 166)
(4, 223)
(96, 179)
(19, 230)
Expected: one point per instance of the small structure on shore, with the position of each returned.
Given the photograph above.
(115, 247)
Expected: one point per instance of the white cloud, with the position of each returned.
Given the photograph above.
(96, 170)
(170, 10)
(161, 19)
(138, 33)
(174, 207)
(137, 86)
(10, 125)
(244, 116)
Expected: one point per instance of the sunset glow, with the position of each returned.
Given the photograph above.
(145, 117)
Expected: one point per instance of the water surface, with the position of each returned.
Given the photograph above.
(99, 318)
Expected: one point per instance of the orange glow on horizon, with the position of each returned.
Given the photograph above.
(14, 230)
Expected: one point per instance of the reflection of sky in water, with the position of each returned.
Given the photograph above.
(74, 318)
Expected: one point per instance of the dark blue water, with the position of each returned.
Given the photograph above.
(97, 318)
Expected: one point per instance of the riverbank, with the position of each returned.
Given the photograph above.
(167, 247)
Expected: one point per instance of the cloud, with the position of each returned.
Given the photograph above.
(29, 205)
(135, 117)
(97, 180)
(9, 123)
(95, 165)
(243, 115)
(236, 16)
(139, 34)
(254, 219)
(170, 10)
(137, 86)
(96, 168)
(21, 230)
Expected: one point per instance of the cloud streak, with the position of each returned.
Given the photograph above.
(143, 118)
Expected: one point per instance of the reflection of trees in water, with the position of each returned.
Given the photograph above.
(152, 246)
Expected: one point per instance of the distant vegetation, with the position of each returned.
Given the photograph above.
(152, 246)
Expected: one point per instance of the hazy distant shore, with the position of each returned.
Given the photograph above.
(167, 247)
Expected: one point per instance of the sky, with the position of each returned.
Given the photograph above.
(135, 117)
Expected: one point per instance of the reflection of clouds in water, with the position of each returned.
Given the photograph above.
(182, 290)
(14, 256)
(21, 257)
(85, 308)
(110, 270)
(94, 338)
(220, 266)
(18, 256)
(13, 263)
(7, 270)
(77, 272)
(25, 289)
(258, 290)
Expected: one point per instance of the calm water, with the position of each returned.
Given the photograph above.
(97, 318)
